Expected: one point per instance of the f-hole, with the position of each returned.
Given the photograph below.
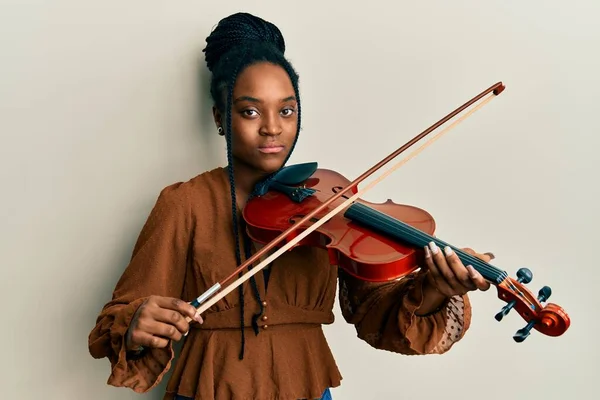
(293, 218)
(337, 189)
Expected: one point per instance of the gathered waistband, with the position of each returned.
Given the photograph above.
(262, 327)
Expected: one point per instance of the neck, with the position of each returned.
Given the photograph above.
(245, 177)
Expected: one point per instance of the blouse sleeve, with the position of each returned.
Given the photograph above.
(384, 315)
(157, 267)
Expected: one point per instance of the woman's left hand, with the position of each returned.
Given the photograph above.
(449, 276)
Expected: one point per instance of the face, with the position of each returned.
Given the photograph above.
(263, 118)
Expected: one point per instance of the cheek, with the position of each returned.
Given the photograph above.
(244, 132)
(290, 125)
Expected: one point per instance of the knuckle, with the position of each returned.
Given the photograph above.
(175, 316)
(171, 330)
(155, 342)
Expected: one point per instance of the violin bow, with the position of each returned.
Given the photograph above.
(214, 293)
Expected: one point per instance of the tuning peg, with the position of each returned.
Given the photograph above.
(544, 294)
(524, 275)
(505, 310)
(522, 333)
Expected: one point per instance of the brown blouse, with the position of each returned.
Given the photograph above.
(186, 246)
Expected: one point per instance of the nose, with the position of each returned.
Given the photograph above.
(271, 125)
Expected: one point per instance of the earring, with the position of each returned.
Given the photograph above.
(220, 130)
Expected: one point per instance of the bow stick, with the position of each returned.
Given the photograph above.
(205, 301)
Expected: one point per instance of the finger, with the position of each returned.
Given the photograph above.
(158, 328)
(477, 279)
(435, 273)
(171, 317)
(178, 305)
(141, 338)
(198, 317)
(487, 257)
(459, 270)
(445, 271)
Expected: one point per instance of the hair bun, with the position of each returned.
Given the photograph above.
(238, 29)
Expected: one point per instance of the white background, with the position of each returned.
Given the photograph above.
(103, 103)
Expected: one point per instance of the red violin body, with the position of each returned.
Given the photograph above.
(360, 251)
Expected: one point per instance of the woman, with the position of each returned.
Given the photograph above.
(264, 341)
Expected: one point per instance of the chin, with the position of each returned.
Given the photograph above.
(271, 166)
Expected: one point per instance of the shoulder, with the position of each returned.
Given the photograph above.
(187, 195)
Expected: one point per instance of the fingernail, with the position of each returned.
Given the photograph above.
(427, 252)
(448, 250)
(471, 271)
(490, 255)
(433, 247)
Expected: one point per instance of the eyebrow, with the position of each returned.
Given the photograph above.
(255, 100)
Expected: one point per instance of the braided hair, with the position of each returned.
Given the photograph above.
(239, 41)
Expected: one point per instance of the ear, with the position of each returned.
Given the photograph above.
(217, 117)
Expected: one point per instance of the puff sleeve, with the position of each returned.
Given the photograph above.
(157, 267)
(384, 315)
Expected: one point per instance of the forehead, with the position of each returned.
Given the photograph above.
(264, 80)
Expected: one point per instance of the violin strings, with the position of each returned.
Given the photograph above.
(418, 238)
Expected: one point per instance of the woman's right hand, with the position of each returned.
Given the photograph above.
(158, 320)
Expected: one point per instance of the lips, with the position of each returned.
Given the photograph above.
(271, 148)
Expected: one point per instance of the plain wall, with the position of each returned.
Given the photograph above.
(103, 103)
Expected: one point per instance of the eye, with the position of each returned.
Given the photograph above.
(287, 112)
(249, 113)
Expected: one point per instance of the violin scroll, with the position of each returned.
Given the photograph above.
(550, 319)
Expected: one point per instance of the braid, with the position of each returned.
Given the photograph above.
(238, 257)
(237, 42)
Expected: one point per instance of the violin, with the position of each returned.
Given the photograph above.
(304, 205)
